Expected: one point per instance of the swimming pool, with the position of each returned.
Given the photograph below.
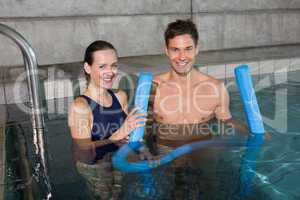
(216, 174)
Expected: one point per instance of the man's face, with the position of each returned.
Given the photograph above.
(182, 52)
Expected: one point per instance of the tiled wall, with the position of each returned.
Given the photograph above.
(65, 87)
(265, 73)
(225, 71)
(57, 89)
(59, 31)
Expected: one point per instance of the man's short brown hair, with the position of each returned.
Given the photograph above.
(181, 27)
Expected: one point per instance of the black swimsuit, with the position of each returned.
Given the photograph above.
(106, 120)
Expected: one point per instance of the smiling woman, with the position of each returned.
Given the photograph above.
(98, 120)
(100, 64)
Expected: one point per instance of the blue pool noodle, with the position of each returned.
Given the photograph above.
(254, 119)
(248, 97)
(141, 101)
(248, 165)
(120, 158)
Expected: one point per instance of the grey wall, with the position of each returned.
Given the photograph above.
(59, 30)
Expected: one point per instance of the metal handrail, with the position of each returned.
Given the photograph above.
(30, 62)
(31, 67)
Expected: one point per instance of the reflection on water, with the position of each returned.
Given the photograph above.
(248, 164)
(197, 175)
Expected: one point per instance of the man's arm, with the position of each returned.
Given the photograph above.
(224, 116)
(237, 125)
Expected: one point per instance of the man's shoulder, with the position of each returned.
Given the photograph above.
(202, 77)
(161, 78)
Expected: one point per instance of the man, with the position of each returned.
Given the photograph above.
(187, 99)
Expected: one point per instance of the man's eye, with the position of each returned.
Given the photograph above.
(101, 66)
(115, 66)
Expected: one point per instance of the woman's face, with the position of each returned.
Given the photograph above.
(104, 68)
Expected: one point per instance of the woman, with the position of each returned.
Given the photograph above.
(98, 119)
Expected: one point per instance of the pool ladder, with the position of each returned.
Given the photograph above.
(37, 118)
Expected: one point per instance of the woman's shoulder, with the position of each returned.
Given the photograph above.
(121, 96)
(79, 104)
(79, 118)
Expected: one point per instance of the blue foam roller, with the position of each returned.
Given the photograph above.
(120, 157)
(141, 101)
(247, 93)
(121, 163)
(248, 165)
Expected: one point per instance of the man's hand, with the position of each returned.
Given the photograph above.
(267, 136)
(145, 154)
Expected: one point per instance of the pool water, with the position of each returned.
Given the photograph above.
(267, 170)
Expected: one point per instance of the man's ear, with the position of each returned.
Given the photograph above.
(87, 68)
(197, 49)
(166, 50)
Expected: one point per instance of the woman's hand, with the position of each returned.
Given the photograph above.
(133, 121)
(123, 141)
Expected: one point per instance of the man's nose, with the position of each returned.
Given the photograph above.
(182, 55)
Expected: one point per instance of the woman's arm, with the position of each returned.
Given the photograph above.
(80, 122)
(80, 119)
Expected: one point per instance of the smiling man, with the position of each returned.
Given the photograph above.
(186, 99)
(184, 102)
